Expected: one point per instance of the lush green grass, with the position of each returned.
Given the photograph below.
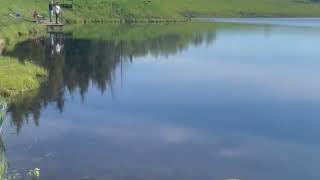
(16, 78)
(176, 8)
(168, 9)
(23, 7)
(12, 29)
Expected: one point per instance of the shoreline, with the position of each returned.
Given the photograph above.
(16, 77)
(18, 32)
(279, 21)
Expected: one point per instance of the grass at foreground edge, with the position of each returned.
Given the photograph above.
(17, 78)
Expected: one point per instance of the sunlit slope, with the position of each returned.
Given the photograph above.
(91, 9)
(178, 8)
(16, 78)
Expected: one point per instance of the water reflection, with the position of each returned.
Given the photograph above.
(75, 63)
(243, 106)
(56, 42)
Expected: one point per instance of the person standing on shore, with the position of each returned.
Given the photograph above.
(35, 15)
(51, 4)
(58, 11)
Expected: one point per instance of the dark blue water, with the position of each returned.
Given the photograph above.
(224, 102)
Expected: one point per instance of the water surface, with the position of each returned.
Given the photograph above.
(204, 101)
(297, 21)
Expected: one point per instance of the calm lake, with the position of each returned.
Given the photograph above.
(198, 101)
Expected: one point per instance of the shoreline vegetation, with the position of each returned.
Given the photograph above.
(146, 11)
(16, 77)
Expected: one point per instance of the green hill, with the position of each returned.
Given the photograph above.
(179, 8)
(161, 9)
(94, 9)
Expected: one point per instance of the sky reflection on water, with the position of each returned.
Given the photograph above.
(243, 105)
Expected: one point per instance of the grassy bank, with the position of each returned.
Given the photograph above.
(166, 9)
(16, 78)
(186, 8)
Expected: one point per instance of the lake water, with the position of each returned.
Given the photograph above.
(194, 101)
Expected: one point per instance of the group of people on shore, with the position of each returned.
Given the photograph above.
(54, 10)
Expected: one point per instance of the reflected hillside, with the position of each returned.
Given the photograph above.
(84, 56)
(3, 161)
(158, 39)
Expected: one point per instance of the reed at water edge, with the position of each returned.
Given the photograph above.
(3, 110)
(3, 162)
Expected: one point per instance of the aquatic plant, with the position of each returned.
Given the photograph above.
(34, 173)
(3, 109)
(3, 161)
